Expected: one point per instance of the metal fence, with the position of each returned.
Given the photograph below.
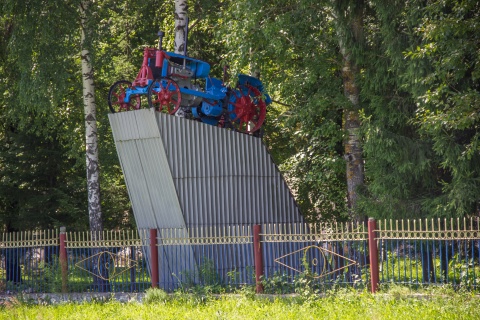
(277, 258)
(107, 261)
(27, 258)
(318, 256)
(430, 252)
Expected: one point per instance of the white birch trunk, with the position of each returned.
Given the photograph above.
(93, 185)
(99, 271)
(181, 10)
(181, 21)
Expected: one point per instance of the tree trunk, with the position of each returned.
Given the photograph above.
(93, 184)
(353, 17)
(181, 10)
(181, 27)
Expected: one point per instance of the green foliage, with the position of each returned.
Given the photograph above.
(52, 275)
(205, 280)
(305, 284)
(294, 48)
(41, 186)
(42, 127)
(277, 283)
(416, 160)
(419, 100)
(155, 295)
(449, 100)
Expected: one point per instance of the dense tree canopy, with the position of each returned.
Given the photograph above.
(415, 66)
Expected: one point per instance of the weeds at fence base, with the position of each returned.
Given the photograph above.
(155, 295)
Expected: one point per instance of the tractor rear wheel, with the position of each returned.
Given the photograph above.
(247, 109)
(164, 95)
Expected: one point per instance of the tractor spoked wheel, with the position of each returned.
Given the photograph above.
(117, 95)
(247, 109)
(164, 95)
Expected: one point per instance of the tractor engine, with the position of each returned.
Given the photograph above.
(183, 77)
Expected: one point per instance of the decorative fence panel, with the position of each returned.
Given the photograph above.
(109, 261)
(320, 256)
(276, 258)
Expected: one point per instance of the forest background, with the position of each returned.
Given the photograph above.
(376, 106)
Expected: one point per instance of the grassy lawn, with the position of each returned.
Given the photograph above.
(349, 305)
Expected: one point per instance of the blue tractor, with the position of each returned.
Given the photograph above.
(172, 81)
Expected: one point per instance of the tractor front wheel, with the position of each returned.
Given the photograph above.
(117, 95)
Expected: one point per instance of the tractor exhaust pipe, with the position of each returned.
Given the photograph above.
(160, 35)
(159, 55)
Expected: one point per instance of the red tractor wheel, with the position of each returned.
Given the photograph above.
(117, 95)
(164, 95)
(247, 109)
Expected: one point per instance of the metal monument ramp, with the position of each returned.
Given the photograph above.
(182, 173)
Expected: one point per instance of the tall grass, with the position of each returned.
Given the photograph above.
(341, 305)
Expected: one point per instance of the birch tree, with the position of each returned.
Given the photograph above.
(181, 25)
(99, 271)
(181, 21)
(91, 143)
(349, 27)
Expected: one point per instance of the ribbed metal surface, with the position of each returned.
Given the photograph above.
(146, 170)
(148, 179)
(182, 173)
(224, 177)
(186, 173)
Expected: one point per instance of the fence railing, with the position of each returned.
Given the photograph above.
(427, 252)
(276, 258)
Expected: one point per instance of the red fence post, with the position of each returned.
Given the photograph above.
(372, 247)
(63, 258)
(258, 257)
(154, 258)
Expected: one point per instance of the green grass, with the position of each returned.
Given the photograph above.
(341, 305)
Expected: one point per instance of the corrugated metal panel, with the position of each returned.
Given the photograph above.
(149, 181)
(146, 170)
(224, 177)
(182, 173)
